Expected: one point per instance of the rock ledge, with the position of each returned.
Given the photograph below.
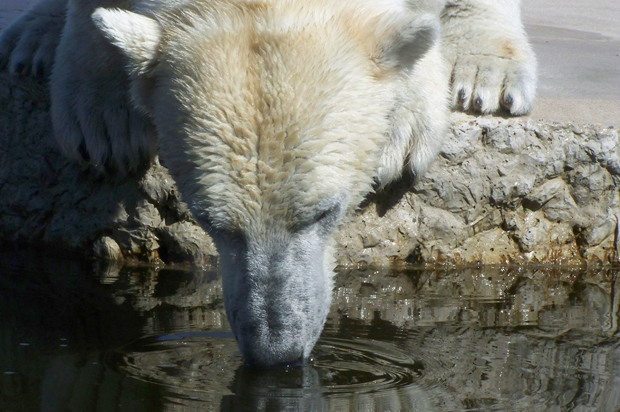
(502, 191)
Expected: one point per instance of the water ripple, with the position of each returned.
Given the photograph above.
(207, 366)
(363, 366)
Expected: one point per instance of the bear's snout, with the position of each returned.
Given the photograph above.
(276, 298)
(268, 344)
(276, 326)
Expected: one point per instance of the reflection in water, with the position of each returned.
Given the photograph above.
(79, 336)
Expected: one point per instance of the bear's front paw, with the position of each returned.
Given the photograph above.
(493, 65)
(95, 121)
(100, 129)
(28, 45)
(484, 83)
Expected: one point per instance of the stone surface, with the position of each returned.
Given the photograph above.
(502, 190)
(107, 248)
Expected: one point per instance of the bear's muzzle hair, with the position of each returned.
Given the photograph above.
(277, 294)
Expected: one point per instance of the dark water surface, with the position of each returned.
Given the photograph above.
(82, 336)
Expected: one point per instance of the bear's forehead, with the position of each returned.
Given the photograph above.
(277, 114)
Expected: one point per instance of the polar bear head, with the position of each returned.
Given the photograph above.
(271, 117)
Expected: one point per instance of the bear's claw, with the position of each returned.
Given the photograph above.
(28, 46)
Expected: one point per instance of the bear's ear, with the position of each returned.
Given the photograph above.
(408, 38)
(136, 35)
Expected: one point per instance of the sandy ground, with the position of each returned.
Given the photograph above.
(578, 47)
(11, 9)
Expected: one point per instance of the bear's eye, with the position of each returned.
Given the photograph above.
(327, 218)
(230, 236)
(326, 214)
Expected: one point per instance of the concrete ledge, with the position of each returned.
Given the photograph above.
(503, 190)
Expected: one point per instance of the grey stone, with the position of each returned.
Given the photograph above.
(107, 248)
(185, 242)
(137, 242)
(511, 188)
(146, 215)
(532, 231)
(602, 228)
(545, 192)
(508, 140)
(463, 144)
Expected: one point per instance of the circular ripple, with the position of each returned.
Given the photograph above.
(210, 363)
(359, 366)
(182, 361)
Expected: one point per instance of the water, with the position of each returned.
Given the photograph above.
(83, 336)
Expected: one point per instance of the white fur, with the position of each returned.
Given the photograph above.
(275, 117)
(493, 63)
(138, 35)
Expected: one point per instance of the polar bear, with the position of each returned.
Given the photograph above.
(275, 118)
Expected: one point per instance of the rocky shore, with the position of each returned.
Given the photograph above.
(502, 191)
